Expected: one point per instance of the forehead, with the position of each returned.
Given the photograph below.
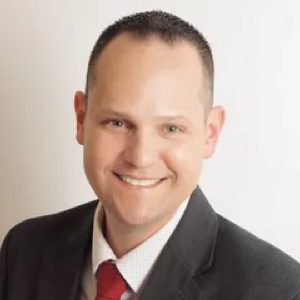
(127, 56)
(148, 78)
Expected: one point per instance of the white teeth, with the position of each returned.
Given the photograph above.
(142, 182)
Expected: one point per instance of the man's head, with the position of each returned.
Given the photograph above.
(146, 116)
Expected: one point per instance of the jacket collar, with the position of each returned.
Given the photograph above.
(189, 252)
(63, 259)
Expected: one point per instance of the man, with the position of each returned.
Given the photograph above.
(146, 122)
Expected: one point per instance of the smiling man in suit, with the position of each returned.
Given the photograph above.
(146, 122)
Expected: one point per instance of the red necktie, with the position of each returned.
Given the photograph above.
(110, 283)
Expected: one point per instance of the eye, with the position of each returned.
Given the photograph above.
(173, 128)
(116, 123)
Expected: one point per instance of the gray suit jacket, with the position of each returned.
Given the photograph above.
(206, 258)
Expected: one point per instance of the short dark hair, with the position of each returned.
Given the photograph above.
(168, 27)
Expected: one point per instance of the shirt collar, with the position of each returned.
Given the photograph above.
(136, 264)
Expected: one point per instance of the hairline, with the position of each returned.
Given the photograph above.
(175, 41)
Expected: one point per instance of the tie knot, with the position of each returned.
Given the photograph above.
(110, 283)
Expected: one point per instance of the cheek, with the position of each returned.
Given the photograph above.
(101, 150)
(185, 160)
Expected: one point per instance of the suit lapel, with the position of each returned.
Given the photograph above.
(188, 253)
(169, 280)
(62, 263)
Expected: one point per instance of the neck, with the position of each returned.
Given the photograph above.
(122, 238)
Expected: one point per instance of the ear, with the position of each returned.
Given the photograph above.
(214, 125)
(80, 111)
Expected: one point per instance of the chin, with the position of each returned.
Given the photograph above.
(134, 217)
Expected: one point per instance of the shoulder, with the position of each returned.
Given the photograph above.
(246, 245)
(257, 262)
(37, 231)
(36, 242)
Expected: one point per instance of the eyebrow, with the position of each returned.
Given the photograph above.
(125, 115)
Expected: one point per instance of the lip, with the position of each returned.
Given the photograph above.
(137, 187)
(141, 178)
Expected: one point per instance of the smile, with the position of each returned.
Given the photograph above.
(139, 182)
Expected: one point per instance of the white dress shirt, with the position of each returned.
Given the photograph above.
(134, 266)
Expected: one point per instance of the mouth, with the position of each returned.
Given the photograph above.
(139, 183)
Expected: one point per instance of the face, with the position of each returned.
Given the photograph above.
(143, 132)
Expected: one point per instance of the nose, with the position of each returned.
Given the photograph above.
(141, 149)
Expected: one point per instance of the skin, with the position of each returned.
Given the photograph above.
(130, 127)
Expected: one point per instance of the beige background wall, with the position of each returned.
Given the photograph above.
(254, 178)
